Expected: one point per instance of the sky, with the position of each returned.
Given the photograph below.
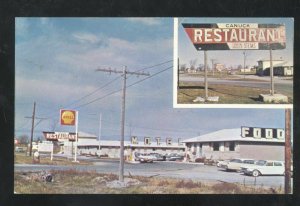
(187, 51)
(55, 66)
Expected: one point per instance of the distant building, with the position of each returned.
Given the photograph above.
(219, 67)
(258, 144)
(280, 68)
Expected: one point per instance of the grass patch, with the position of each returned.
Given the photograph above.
(22, 158)
(83, 182)
(227, 94)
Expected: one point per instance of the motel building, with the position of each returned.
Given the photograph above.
(88, 144)
(244, 142)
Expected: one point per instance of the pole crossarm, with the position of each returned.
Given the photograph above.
(121, 72)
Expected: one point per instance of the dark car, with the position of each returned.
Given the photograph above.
(174, 157)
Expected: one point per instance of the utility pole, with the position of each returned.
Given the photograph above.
(100, 128)
(178, 73)
(124, 72)
(33, 117)
(32, 128)
(287, 177)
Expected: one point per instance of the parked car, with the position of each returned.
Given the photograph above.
(174, 157)
(144, 158)
(158, 157)
(221, 163)
(19, 149)
(265, 167)
(235, 164)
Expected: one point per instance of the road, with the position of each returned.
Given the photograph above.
(281, 85)
(193, 171)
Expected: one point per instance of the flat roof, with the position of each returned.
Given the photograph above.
(115, 143)
(225, 135)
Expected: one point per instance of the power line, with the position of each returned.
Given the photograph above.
(159, 64)
(103, 86)
(150, 76)
(93, 92)
(111, 93)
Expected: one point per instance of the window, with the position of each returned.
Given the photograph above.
(269, 164)
(216, 146)
(231, 146)
(277, 164)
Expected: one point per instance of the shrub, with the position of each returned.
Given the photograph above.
(187, 184)
(200, 159)
(226, 188)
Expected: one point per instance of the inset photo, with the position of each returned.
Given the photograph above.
(229, 62)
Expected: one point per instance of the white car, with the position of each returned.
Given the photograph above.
(236, 164)
(144, 158)
(265, 167)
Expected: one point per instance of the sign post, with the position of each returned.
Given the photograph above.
(76, 131)
(205, 78)
(271, 73)
(70, 118)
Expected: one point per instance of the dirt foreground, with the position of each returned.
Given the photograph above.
(78, 182)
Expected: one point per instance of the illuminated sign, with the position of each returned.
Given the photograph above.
(59, 136)
(258, 133)
(67, 117)
(235, 36)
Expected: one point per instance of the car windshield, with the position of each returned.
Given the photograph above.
(261, 162)
(236, 160)
(248, 161)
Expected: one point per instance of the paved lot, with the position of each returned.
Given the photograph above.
(166, 169)
(281, 85)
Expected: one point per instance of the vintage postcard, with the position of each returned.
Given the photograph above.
(97, 106)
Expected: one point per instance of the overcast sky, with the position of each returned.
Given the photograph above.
(56, 59)
(187, 51)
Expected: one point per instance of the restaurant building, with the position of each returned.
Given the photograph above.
(244, 142)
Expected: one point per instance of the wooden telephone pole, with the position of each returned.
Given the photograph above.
(33, 117)
(124, 72)
(288, 156)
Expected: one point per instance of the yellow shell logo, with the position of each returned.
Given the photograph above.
(68, 117)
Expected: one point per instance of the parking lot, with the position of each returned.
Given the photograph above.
(182, 170)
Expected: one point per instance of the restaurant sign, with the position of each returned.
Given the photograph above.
(236, 36)
(60, 136)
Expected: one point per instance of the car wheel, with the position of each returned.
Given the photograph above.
(255, 173)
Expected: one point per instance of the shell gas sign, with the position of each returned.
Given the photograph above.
(67, 117)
